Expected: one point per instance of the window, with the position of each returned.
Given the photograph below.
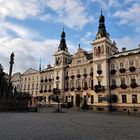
(28, 86)
(85, 71)
(121, 65)
(91, 83)
(72, 72)
(133, 80)
(72, 84)
(78, 71)
(50, 86)
(113, 81)
(45, 87)
(112, 66)
(124, 99)
(91, 69)
(131, 63)
(32, 86)
(24, 87)
(36, 85)
(67, 84)
(78, 83)
(99, 98)
(92, 99)
(134, 98)
(122, 80)
(85, 83)
(79, 61)
(99, 67)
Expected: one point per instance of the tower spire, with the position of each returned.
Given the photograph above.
(62, 45)
(40, 65)
(102, 28)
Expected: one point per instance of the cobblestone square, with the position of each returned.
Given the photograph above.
(71, 125)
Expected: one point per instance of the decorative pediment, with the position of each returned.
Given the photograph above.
(30, 71)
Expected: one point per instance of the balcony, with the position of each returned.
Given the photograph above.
(113, 86)
(41, 91)
(99, 88)
(132, 69)
(85, 88)
(49, 90)
(57, 77)
(45, 90)
(99, 72)
(133, 85)
(72, 76)
(67, 77)
(78, 88)
(122, 70)
(123, 86)
(91, 74)
(72, 89)
(66, 89)
(113, 71)
(78, 75)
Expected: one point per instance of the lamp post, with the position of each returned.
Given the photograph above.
(134, 101)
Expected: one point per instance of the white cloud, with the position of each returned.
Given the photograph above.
(130, 16)
(18, 30)
(19, 9)
(28, 52)
(127, 42)
(70, 12)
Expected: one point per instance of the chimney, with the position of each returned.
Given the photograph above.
(123, 49)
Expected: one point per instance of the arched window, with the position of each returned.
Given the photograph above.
(102, 49)
(72, 84)
(91, 83)
(85, 83)
(78, 83)
(66, 84)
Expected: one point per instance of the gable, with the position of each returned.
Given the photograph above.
(30, 71)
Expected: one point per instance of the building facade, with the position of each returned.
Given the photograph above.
(106, 78)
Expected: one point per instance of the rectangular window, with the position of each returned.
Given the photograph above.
(78, 71)
(113, 81)
(122, 80)
(121, 65)
(112, 66)
(50, 87)
(134, 98)
(131, 63)
(91, 69)
(66, 99)
(79, 61)
(124, 99)
(99, 98)
(85, 71)
(92, 99)
(99, 67)
(133, 80)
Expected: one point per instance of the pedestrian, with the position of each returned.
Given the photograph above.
(128, 112)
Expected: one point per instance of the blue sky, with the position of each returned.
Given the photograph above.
(32, 28)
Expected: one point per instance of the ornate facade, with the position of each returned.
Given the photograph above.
(107, 78)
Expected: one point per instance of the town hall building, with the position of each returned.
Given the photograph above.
(107, 78)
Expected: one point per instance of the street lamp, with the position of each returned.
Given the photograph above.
(134, 100)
